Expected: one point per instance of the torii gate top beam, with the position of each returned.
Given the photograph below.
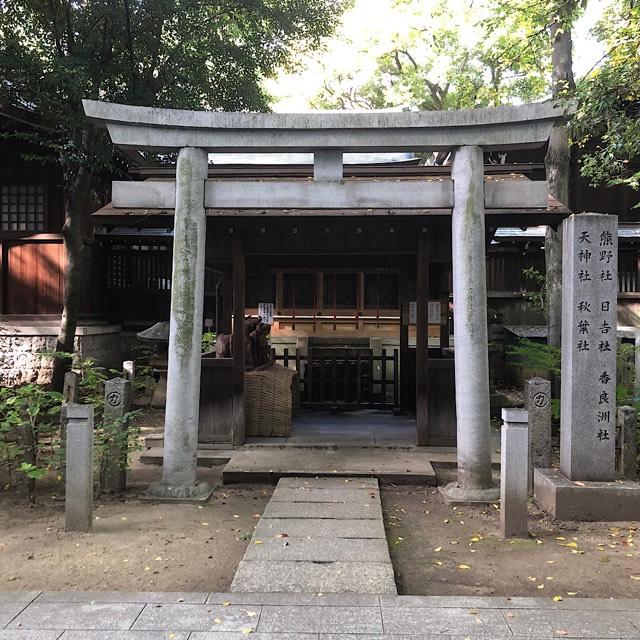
(495, 128)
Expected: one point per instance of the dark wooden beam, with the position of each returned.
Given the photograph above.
(405, 354)
(422, 339)
(238, 338)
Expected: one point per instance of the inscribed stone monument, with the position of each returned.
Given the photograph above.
(537, 401)
(117, 402)
(588, 400)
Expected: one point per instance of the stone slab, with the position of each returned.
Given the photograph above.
(328, 483)
(198, 635)
(311, 577)
(454, 621)
(474, 602)
(268, 464)
(9, 611)
(323, 510)
(319, 550)
(123, 596)
(124, 635)
(572, 624)
(60, 615)
(18, 597)
(563, 499)
(317, 494)
(320, 528)
(15, 634)
(301, 599)
(206, 457)
(321, 620)
(197, 617)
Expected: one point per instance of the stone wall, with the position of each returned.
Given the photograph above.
(21, 346)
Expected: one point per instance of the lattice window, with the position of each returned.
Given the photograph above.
(22, 207)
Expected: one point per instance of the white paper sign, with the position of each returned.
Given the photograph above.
(433, 313)
(265, 311)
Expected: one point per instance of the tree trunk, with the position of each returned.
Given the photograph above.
(558, 165)
(72, 232)
(558, 159)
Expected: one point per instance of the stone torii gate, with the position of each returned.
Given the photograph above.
(328, 135)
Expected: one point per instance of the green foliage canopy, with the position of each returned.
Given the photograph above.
(607, 121)
(450, 56)
(198, 54)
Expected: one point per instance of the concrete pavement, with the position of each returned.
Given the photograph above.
(277, 616)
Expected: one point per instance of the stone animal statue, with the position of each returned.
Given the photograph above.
(223, 344)
(256, 346)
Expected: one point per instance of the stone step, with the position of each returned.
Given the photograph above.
(268, 465)
(323, 535)
(206, 457)
(155, 440)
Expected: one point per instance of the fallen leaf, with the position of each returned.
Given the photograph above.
(635, 577)
(466, 566)
(557, 598)
(438, 549)
(217, 620)
(246, 630)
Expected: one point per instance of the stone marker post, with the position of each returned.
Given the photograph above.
(117, 402)
(589, 339)
(129, 370)
(628, 427)
(514, 464)
(185, 335)
(471, 338)
(69, 396)
(537, 401)
(78, 501)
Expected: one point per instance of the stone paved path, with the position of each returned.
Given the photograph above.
(271, 616)
(319, 535)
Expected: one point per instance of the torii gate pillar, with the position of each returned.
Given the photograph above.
(179, 465)
(471, 350)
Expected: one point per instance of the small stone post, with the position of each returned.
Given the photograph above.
(628, 426)
(471, 341)
(79, 472)
(514, 463)
(185, 335)
(117, 402)
(537, 401)
(69, 396)
(589, 340)
(129, 370)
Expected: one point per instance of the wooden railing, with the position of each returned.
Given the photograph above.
(345, 378)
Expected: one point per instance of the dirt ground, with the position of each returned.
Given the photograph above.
(436, 549)
(442, 550)
(135, 545)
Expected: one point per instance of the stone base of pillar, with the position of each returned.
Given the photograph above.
(160, 492)
(587, 501)
(453, 494)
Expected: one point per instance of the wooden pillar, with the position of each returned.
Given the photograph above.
(405, 354)
(225, 325)
(422, 339)
(238, 338)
